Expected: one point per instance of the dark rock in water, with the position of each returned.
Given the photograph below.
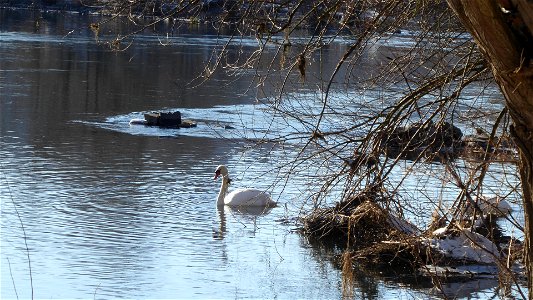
(425, 139)
(441, 142)
(170, 119)
(162, 119)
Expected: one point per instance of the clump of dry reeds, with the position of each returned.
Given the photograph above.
(372, 239)
(366, 227)
(360, 219)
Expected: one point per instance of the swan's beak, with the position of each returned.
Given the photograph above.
(217, 173)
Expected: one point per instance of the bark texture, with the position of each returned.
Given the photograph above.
(503, 31)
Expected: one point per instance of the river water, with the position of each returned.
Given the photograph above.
(95, 208)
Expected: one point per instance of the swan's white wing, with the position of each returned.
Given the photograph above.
(248, 197)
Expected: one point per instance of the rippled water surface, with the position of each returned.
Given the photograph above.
(109, 210)
(113, 211)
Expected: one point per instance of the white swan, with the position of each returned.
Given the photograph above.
(240, 197)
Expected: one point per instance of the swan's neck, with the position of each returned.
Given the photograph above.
(223, 190)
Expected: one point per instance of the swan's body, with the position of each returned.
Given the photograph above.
(240, 197)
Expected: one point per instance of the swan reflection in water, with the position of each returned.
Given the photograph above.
(241, 214)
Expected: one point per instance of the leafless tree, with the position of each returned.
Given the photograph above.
(453, 55)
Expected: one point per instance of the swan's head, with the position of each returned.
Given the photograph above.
(221, 170)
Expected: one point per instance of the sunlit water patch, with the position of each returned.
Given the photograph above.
(231, 122)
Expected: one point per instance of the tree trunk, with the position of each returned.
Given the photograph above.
(503, 32)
